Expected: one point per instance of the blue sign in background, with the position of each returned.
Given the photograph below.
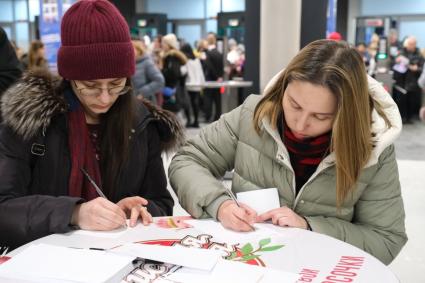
(51, 12)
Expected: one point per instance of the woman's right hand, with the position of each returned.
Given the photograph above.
(98, 214)
(236, 218)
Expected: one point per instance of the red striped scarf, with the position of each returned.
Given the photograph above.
(82, 156)
(305, 154)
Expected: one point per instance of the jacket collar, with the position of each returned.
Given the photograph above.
(29, 106)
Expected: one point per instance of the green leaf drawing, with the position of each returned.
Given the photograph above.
(247, 249)
(264, 242)
(271, 248)
(232, 255)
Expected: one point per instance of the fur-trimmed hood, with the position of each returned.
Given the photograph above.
(29, 106)
(178, 54)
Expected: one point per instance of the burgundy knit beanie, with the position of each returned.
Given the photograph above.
(95, 42)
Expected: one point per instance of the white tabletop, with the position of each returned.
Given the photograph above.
(216, 84)
(315, 257)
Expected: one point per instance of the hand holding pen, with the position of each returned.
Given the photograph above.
(99, 213)
(135, 206)
(235, 215)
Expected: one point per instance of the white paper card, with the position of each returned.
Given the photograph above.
(189, 257)
(61, 264)
(261, 200)
(113, 234)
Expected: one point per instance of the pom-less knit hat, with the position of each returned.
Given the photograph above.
(95, 42)
(171, 40)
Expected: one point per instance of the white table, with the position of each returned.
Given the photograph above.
(315, 257)
(229, 100)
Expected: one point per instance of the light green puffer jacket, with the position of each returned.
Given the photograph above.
(373, 219)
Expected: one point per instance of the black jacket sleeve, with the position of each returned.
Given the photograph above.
(155, 181)
(9, 64)
(25, 216)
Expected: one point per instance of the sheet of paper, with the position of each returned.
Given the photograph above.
(235, 272)
(202, 259)
(217, 230)
(189, 275)
(114, 234)
(261, 200)
(47, 263)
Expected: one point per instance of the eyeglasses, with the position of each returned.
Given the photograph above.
(96, 91)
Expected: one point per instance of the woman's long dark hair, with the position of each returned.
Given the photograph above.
(115, 129)
(116, 126)
(188, 51)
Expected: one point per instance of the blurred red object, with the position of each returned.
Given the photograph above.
(335, 36)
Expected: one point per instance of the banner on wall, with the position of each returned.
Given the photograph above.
(51, 12)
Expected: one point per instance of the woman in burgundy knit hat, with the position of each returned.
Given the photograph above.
(61, 136)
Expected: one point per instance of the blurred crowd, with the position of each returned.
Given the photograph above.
(170, 72)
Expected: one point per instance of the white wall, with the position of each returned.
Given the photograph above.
(279, 36)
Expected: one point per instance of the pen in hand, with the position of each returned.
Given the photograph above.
(233, 197)
(98, 190)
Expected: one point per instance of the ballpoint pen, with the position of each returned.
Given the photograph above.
(233, 197)
(98, 190)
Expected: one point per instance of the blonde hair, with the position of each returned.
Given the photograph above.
(34, 59)
(338, 67)
(138, 47)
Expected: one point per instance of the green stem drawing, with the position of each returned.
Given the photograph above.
(247, 252)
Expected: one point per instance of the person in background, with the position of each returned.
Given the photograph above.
(194, 75)
(362, 49)
(148, 79)
(9, 63)
(213, 70)
(36, 57)
(10, 68)
(394, 46)
(409, 100)
(155, 50)
(175, 96)
(322, 134)
(54, 129)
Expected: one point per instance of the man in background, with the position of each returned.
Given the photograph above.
(213, 70)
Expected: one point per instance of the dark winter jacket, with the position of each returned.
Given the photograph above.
(9, 64)
(34, 199)
(173, 60)
(410, 78)
(213, 65)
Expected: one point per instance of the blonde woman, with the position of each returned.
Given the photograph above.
(36, 57)
(322, 135)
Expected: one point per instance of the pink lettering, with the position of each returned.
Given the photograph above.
(307, 275)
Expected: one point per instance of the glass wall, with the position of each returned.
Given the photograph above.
(17, 18)
(192, 19)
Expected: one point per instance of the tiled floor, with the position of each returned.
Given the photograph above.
(410, 150)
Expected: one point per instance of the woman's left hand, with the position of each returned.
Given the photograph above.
(285, 217)
(135, 208)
